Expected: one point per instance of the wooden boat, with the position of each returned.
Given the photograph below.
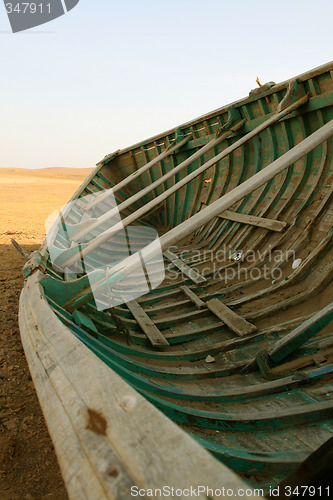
(232, 352)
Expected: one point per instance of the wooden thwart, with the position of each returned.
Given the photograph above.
(252, 220)
(238, 324)
(184, 268)
(153, 333)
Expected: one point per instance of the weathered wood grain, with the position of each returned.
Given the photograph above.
(273, 225)
(238, 324)
(148, 327)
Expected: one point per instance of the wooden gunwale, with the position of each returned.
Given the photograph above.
(85, 456)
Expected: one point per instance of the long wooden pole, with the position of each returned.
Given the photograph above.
(137, 173)
(81, 229)
(187, 227)
(70, 256)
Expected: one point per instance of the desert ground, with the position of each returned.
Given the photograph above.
(28, 465)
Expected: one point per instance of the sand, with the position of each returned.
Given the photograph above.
(28, 465)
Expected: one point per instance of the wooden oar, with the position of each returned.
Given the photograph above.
(137, 173)
(81, 229)
(70, 256)
(187, 227)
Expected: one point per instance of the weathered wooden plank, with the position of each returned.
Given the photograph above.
(297, 275)
(153, 333)
(80, 445)
(252, 220)
(184, 268)
(248, 420)
(238, 324)
(301, 334)
(200, 304)
(319, 282)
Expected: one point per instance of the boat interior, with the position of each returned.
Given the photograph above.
(234, 341)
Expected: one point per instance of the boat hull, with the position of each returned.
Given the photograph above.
(234, 344)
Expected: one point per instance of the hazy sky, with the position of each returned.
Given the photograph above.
(109, 74)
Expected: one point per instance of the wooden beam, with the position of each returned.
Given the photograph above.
(184, 268)
(288, 344)
(153, 333)
(235, 322)
(252, 220)
(200, 304)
